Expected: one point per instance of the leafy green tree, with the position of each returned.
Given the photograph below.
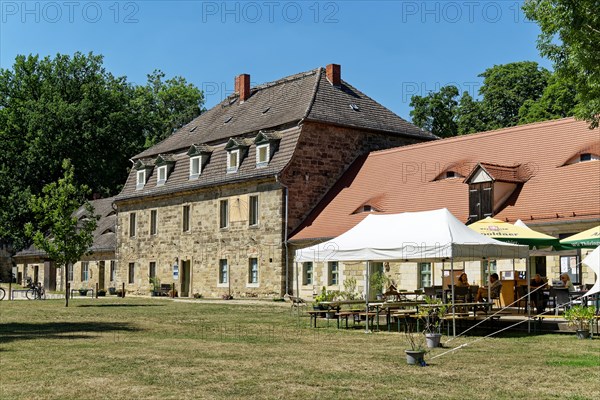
(506, 87)
(557, 101)
(70, 107)
(436, 112)
(570, 37)
(62, 234)
(167, 105)
(470, 117)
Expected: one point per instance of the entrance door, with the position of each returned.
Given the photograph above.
(101, 275)
(185, 278)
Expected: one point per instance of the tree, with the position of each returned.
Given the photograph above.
(167, 105)
(436, 112)
(506, 87)
(59, 232)
(470, 117)
(557, 101)
(70, 107)
(570, 38)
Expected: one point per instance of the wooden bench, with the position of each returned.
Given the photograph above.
(314, 314)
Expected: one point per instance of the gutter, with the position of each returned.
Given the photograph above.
(285, 230)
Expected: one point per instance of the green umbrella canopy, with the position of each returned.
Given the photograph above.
(588, 239)
(506, 232)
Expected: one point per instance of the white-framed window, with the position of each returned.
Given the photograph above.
(132, 224)
(140, 179)
(186, 216)
(424, 274)
(113, 270)
(253, 270)
(131, 273)
(223, 271)
(152, 269)
(253, 210)
(161, 175)
(233, 160)
(69, 272)
(488, 267)
(307, 273)
(153, 222)
(333, 272)
(195, 167)
(262, 155)
(85, 271)
(223, 214)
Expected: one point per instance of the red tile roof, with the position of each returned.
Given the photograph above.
(410, 178)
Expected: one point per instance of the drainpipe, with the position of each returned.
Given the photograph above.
(285, 230)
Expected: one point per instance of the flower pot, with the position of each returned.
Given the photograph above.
(83, 292)
(112, 290)
(583, 334)
(101, 293)
(414, 357)
(433, 340)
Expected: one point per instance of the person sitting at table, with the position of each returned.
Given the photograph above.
(463, 280)
(495, 287)
(538, 297)
(566, 280)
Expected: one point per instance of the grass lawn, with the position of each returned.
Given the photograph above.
(160, 349)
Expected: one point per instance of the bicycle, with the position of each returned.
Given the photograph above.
(2, 293)
(35, 292)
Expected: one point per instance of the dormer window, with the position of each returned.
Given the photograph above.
(162, 175)
(141, 179)
(262, 155)
(237, 149)
(585, 154)
(195, 167)
(266, 145)
(165, 164)
(233, 160)
(199, 155)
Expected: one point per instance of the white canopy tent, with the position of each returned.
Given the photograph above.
(593, 261)
(418, 236)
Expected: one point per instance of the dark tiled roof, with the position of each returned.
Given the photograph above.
(401, 179)
(215, 171)
(104, 234)
(286, 101)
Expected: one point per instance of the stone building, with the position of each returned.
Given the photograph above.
(97, 267)
(210, 208)
(547, 174)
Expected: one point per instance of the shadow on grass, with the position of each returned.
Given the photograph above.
(120, 305)
(11, 332)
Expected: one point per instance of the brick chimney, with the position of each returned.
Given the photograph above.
(242, 86)
(334, 74)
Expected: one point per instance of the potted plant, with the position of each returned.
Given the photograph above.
(101, 293)
(82, 291)
(415, 354)
(433, 318)
(378, 281)
(155, 282)
(325, 295)
(581, 317)
(112, 291)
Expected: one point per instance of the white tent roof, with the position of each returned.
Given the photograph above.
(427, 235)
(593, 261)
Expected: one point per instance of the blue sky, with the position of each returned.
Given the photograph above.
(387, 49)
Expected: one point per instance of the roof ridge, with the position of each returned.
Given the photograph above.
(285, 79)
(314, 94)
(475, 135)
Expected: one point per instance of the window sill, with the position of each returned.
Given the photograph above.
(223, 285)
(252, 285)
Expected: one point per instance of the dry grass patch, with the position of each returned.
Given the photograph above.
(159, 349)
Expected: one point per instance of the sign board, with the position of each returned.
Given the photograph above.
(175, 272)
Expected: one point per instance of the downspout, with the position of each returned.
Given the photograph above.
(285, 231)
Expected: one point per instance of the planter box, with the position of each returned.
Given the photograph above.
(415, 357)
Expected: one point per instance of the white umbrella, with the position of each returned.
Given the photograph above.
(593, 261)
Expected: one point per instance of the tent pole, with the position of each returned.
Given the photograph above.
(453, 299)
(367, 294)
(528, 273)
